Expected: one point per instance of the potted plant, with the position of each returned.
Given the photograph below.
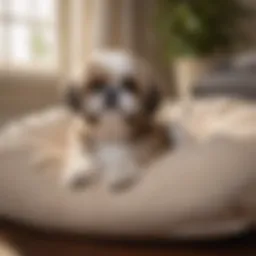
(196, 33)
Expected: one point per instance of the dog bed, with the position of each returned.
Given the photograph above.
(197, 191)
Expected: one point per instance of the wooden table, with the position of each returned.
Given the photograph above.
(36, 243)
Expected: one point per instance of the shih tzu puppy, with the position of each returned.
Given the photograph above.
(114, 131)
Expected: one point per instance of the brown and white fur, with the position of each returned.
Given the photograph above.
(114, 131)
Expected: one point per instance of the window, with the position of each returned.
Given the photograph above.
(28, 34)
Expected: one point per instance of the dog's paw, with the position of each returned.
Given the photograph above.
(122, 183)
(123, 179)
(80, 174)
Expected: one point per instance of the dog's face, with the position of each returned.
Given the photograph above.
(114, 83)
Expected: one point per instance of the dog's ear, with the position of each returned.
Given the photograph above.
(72, 96)
(153, 99)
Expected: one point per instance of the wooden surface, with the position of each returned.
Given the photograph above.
(34, 243)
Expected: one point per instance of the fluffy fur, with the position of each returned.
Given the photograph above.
(114, 102)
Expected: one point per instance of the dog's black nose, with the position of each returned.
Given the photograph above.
(111, 98)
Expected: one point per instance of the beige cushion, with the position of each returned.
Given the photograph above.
(198, 190)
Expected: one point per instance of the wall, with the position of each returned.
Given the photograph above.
(20, 95)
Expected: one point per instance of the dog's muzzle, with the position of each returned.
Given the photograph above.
(111, 98)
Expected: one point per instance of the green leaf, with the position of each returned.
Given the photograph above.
(200, 27)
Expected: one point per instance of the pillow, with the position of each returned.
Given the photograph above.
(231, 77)
(198, 191)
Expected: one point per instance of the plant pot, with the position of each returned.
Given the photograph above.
(188, 71)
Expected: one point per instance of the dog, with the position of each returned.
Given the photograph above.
(114, 102)
(7, 249)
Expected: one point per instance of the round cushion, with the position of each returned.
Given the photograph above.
(195, 191)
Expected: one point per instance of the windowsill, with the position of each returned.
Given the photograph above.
(34, 73)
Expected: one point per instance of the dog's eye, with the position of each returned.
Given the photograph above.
(129, 84)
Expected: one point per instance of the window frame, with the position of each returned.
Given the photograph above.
(40, 71)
